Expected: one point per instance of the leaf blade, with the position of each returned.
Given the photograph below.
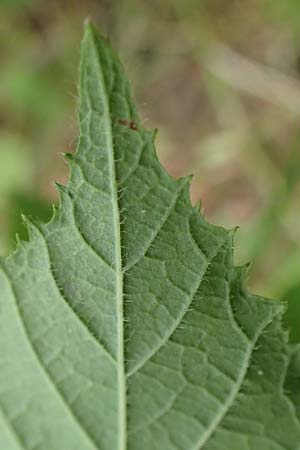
(124, 323)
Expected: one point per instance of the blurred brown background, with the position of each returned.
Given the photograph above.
(219, 78)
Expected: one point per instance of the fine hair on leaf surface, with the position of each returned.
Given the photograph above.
(124, 324)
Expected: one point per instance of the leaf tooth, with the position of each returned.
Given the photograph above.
(69, 157)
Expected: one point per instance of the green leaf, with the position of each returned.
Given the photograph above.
(124, 324)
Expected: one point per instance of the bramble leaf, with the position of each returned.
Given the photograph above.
(124, 324)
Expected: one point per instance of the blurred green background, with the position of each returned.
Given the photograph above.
(219, 78)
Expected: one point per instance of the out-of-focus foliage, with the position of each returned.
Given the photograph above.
(225, 76)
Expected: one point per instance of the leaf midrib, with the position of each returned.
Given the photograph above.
(122, 400)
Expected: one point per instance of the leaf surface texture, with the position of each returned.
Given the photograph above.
(124, 324)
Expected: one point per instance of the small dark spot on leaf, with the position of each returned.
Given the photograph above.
(129, 123)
